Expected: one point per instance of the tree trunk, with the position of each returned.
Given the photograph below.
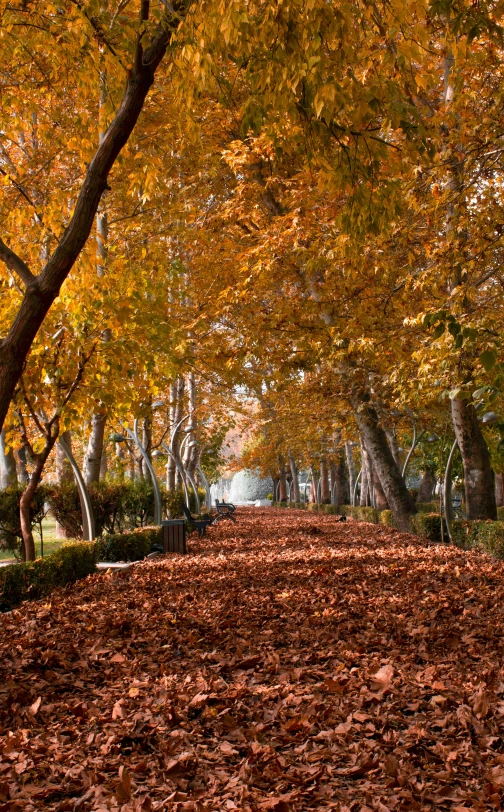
(8, 472)
(27, 497)
(92, 462)
(339, 480)
(394, 446)
(499, 490)
(478, 474)
(283, 482)
(295, 495)
(398, 496)
(103, 464)
(380, 500)
(365, 500)
(313, 486)
(42, 290)
(352, 474)
(23, 472)
(325, 491)
(427, 486)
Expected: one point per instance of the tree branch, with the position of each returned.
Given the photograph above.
(16, 264)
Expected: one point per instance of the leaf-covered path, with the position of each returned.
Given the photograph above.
(289, 663)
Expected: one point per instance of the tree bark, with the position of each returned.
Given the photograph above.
(380, 500)
(42, 290)
(339, 480)
(8, 471)
(28, 494)
(325, 491)
(295, 495)
(427, 486)
(478, 474)
(499, 490)
(313, 485)
(23, 471)
(92, 462)
(283, 482)
(398, 496)
(394, 446)
(352, 474)
(365, 500)
(103, 464)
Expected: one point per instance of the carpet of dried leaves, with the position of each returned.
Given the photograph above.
(288, 663)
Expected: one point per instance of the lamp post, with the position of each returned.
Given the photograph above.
(188, 474)
(88, 525)
(354, 495)
(133, 435)
(414, 443)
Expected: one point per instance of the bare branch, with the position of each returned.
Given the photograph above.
(16, 264)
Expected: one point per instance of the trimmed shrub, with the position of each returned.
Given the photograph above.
(35, 579)
(387, 518)
(428, 525)
(73, 561)
(481, 535)
(366, 514)
(464, 534)
(346, 510)
(490, 538)
(332, 510)
(500, 514)
(427, 507)
(131, 546)
(313, 507)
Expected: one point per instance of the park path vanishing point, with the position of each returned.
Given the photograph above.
(288, 663)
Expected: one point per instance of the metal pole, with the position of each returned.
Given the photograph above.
(207, 487)
(416, 440)
(181, 471)
(354, 496)
(447, 492)
(133, 435)
(88, 525)
(189, 477)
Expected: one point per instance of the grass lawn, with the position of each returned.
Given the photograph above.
(51, 543)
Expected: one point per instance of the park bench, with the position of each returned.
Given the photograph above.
(457, 505)
(224, 504)
(199, 524)
(224, 510)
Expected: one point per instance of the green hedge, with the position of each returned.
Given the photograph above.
(387, 518)
(362, 514)
(500, 514)
(428, 525)
(35, 579)
(480, 535)
(128, 546)
(427, 507)
(73, 561)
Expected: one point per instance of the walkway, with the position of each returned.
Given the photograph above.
(290, 663)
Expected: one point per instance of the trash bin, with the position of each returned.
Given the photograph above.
(174, 536)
